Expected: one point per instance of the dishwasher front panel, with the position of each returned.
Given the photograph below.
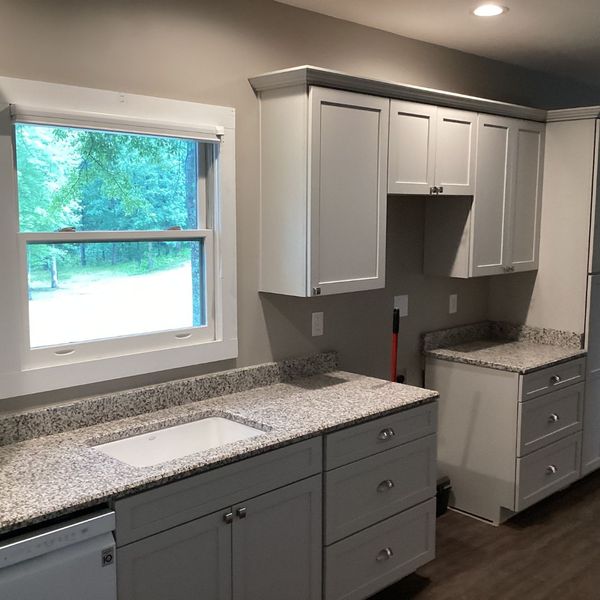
(73, 562)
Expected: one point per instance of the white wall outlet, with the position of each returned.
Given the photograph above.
(453, 303)
(401, 303)
(317, 323)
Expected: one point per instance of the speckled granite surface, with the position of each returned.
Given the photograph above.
(500, 331)
(518, 357)
(50, 476)
(16, 427)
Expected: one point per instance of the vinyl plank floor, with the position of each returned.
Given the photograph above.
(550, 551)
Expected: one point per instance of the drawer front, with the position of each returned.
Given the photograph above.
(550, 417)
(545, 471)
(369, 561)
(346, 446)
(553, 378)
(375, 488)
(159, 509)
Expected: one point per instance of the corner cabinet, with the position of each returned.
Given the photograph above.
(496, 231)
(323, 156)
(432, 150)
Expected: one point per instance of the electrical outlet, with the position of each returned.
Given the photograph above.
(317, 323)
(401, 303)
(453, 303)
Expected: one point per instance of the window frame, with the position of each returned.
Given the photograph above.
(25, 370)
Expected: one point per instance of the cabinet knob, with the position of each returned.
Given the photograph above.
(551, 469)
(553, 418)
(440, 190)
(384, 554)
(386, 434)
(385, 486)
(555, 379)
(241, 512)
(316, 291)
(228, 517)
(433, 190)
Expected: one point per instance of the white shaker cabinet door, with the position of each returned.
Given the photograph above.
(492, 191)
(455, 152)
(348, 173)
(413, 130)
(526, 195)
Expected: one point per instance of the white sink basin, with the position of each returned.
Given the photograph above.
(169, 443)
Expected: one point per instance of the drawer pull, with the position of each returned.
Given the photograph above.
(555, 379)
(228, 517)
(553, 418)
(241, 512)
(386, 434)
(384, 554)
(385, 486)
(551, 469)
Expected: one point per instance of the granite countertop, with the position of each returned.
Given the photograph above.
(506, 355)
(45, 477)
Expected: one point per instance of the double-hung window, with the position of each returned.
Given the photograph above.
(121, 254)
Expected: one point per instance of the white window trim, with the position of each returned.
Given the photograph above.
(61, 104)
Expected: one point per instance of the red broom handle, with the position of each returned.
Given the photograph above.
(395, 329)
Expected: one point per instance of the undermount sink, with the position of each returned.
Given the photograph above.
(166, 444)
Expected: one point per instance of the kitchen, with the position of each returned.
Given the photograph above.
(206, 53)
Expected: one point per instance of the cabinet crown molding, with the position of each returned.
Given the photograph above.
(309, 75)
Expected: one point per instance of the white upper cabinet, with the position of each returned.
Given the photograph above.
(432, 150)
(323, 191)
(498, 230)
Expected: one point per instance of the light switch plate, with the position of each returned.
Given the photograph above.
(317, 323)
(453, 303)
(401, 303)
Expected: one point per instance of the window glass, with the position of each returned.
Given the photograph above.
(98, 290)
(99, 180)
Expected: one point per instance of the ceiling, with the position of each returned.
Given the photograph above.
(555, 36)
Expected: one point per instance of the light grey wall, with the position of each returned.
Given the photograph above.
(203, 50)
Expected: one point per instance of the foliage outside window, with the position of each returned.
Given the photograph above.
(97, 188)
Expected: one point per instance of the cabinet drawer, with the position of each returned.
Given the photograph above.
(553, 378)
(149, 512)
(545, 471)
(374, 488)
(378, 556)
(550, 417)
(345, 446)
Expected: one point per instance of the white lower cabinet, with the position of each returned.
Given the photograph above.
(507, 440)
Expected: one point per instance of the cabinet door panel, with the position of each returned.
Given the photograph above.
(594, 255)
(348, 196)
(590, 452)
(189, 562)
(593, 327)
(455, 152)
(526, 195)
(412, 148)
(488, 252)
(277, 545)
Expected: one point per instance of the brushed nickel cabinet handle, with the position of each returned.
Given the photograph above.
(241, 512)
(384, 554)
(228, 517)
(551, 469)
(553, 418)
(385, 485)
(555, 379)
(386, 434)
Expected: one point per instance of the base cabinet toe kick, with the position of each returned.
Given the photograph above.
(335, 517)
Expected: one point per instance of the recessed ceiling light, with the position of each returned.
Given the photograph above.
(489, 10)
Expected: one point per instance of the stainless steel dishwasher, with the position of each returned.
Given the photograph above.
(71, 561)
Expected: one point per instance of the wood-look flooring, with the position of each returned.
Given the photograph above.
(549, 552)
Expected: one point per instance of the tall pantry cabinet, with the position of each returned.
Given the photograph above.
(567, 289)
